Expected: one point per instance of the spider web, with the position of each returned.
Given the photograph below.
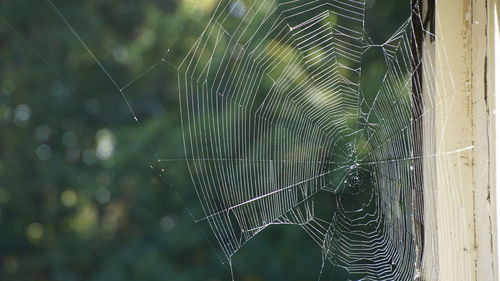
(278, 112)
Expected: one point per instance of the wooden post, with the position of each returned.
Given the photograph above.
(459, 180)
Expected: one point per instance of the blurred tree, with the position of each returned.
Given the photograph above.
(78, 199)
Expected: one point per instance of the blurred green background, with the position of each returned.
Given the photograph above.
(82, 196)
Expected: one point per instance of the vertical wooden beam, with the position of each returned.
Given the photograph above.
(459, 180)
(493, 91)
(483, 122)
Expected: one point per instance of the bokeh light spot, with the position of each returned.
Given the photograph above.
(69, 198)
(167, 223)
(43, 152)
(34, 231)
(22, 115)
(102, 195)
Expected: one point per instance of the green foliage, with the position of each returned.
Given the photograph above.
(82, 195)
